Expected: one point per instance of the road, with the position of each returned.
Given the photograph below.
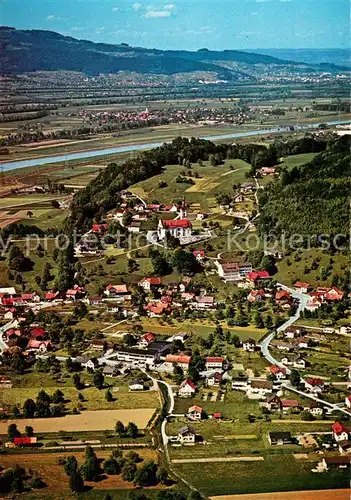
(303, 299)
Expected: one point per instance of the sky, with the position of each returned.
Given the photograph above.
(189, 24)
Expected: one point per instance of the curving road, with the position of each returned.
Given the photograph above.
(303, 299)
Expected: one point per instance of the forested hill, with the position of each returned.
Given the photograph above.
(33, 50)
(310, 199)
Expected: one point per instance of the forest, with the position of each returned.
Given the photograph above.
(311, 199)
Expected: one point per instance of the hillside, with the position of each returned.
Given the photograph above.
(32, 50)
(311, 199)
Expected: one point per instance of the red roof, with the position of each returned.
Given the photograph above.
(289, 403)
(276, 369)
(257, 275)
(37, 332)
(195, 408)
(24, 440)
(339, 428)
(177, 358)
(199, 253)
(51, 295)
(7, 302)
(27, 296)
(35, 344)
(217, 415)
(282, 294)
(99, 227)
(117, 288)
(148, 337)
(301, 284)
(176, 223)
(214, 359)
(188, 382)
(153, 281)
(314, 381)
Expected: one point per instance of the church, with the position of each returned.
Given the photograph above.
(179, 228)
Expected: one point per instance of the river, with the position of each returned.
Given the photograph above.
(33, 162)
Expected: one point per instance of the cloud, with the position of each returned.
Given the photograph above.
(115, 9)
(157, 13)
(76, 28)
(50, 17)
(136, 6)
(169, 6)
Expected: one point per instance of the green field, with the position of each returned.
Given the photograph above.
(277, 473)
(211, 181)
(294, 267)
(296, 160)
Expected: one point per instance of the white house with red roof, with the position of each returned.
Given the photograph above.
(314, 385)
(147, 339)
(301, 286)
(233, 271)
(187, 389)
(50, 296)
(179, 228)
(39, 345)
(256, 295)
(75, 293)
(278, 372)
(214, 363)
(194, 413)
(199, 255)
(116, 291)
(148, 283)
(267, 171)
(254, 276)
(204, 302)
(181, 360)
(340, 432)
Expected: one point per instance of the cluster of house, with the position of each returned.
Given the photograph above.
(35, 338)
(319, 296)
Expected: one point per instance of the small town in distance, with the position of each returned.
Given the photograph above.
(174, 259)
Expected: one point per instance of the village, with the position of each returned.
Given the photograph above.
(208, 348)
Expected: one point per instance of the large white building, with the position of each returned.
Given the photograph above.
(233, 271)
(179, 228)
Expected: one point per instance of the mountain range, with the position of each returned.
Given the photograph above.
(34, 50)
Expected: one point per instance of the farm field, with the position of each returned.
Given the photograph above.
(296, 160)
(280, 472)
(292, 495)
(94, 399)
(86, 421)
(211, 181)
(197, 328)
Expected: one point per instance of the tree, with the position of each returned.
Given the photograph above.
(111, 466)
(76, 381)
(185, 262)
(29, 408)
(91, 466)
(58, 396)
(162, 475)
(18, 261)
(306, 415)
(76, 482)
(146, 475)
(80, 310)
(120, 429)
(98, 380)
(29, 430)
(132, 430)
(178, 374)
(128, 471)
(108, 396)
(12, 431)
(295, 378)
(70, 465)
(132, 457)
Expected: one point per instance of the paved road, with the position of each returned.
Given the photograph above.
(3, 329)
(303, 299)
(321, 401)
